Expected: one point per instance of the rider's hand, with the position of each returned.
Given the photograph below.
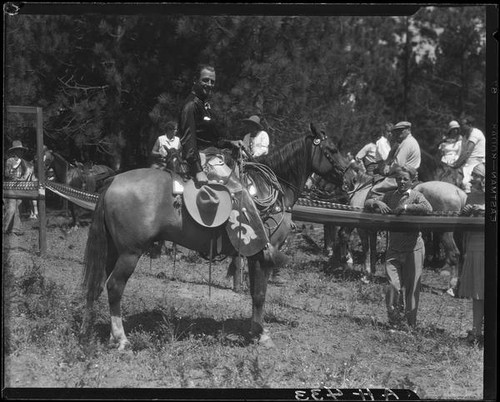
(399, 210)
(201, 178)
(238, 144)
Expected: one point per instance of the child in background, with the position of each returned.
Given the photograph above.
(472, 277)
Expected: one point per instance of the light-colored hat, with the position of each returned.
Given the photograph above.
(480, 170)
(401, 125)
(453, 124)
(17, 146)
(255, 120)
(209, 205)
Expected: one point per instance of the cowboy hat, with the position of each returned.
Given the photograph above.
(17, 146)
(453, 124)
(209, 205)
(255, 120)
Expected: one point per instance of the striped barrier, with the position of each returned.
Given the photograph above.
(22, 189)
(306, 209)
(316, 211)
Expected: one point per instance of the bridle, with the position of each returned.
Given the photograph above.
(320, 144)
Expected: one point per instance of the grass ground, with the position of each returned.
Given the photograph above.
(329, 327)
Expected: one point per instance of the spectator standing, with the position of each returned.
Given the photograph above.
(16, 169)
(471, 283)
(406, 251)
(451, 145)
(473, 150)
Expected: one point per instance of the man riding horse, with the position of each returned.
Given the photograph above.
(204, 150)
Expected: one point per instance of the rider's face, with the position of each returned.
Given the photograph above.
(207, 82)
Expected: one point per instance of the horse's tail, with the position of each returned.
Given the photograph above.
(96, 252)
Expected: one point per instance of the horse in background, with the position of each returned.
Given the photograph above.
(433, 169)
(137, 208)
(86, 177)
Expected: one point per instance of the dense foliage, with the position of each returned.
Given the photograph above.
(105, 81)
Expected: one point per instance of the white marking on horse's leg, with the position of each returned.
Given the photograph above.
(265, 340)
(118, 333)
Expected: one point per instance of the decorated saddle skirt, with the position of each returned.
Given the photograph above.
(244, 226)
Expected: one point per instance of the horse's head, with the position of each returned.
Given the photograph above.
(352, 175)
(326, 159)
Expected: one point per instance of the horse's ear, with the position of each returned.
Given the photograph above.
(339, 143)
(313, 128)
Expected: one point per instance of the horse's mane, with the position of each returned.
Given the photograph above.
(290, 161)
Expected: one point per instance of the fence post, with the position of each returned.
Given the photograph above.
(42, 219)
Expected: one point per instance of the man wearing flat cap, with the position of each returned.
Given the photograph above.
(407, 154)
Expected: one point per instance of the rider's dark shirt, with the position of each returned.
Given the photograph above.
(197, 131)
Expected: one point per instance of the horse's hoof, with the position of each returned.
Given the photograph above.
(266, 341)
(122, 345)
(365, 279)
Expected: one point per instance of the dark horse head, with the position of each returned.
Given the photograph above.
(315, 152)
(433, 169)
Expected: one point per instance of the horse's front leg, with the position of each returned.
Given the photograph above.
(74, 215)
(365, 249)
(373, 251)
(259, 275)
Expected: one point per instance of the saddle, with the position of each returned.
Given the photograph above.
(244, 226)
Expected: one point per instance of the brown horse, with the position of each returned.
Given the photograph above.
(77, 175)
(138, 208)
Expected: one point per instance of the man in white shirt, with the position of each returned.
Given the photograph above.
(374, 153)
(473, 150)
(257, 140)
(383, 144)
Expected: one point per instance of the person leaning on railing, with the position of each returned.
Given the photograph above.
(406, 251)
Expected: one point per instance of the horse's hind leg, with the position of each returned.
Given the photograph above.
(259, 275)
(115, 285)
(452, 257)
(34, 210)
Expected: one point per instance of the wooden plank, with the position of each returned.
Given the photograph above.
(23, 109)
(21, 194)
(402, 223)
